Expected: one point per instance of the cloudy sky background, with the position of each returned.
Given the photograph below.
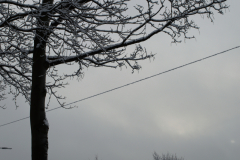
(193, 111)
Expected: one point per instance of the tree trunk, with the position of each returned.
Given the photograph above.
(38, 120)
(39, 124)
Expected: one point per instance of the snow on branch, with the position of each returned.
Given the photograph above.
(89, 33)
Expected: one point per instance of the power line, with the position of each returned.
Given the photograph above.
(14, 121)
(132, 83)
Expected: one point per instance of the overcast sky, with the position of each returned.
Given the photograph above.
(193, 112)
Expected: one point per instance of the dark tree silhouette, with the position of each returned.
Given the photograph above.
(36, 36)
(165, 157)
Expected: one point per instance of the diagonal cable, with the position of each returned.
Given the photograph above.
(143, 79)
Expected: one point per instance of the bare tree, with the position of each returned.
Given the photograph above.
(36, 36)
(165, 157)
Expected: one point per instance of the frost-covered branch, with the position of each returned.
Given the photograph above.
(90, 33)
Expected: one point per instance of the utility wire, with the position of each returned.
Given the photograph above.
(132, 83)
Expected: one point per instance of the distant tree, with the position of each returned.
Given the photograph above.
(165, 157)
(37, 36)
